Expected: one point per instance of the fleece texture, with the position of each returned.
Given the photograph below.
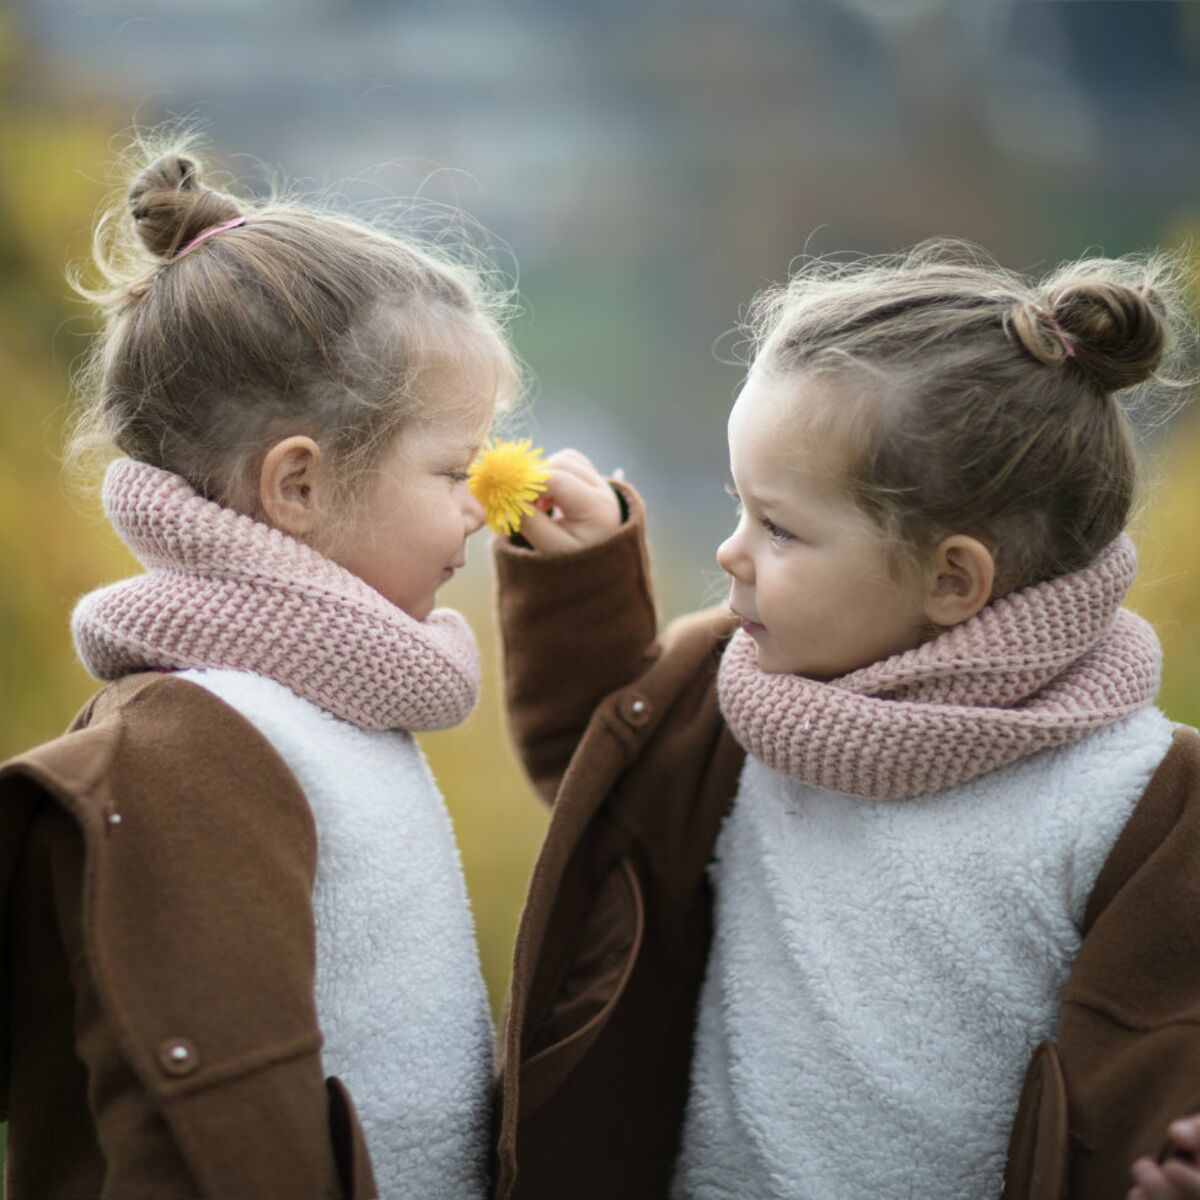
(1041, 667)
(223, 590)
(880, 972)
(400, 998)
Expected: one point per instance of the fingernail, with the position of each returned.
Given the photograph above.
(1185, 1130)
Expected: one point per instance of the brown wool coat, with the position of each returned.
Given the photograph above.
(160, 1035)
(621, 730)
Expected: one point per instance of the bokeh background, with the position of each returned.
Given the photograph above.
(643, 168)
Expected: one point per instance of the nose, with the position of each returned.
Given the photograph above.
(473, 513)
(733, 559)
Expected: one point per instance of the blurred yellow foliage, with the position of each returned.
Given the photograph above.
(1167, 591)
(55, 549)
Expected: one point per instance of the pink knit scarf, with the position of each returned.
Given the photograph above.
(224, 590)
(1040, 667)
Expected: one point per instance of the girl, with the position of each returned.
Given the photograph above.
(883, 884)
(235, 876)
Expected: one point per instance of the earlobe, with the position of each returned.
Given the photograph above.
(287, 485)
(963, 574)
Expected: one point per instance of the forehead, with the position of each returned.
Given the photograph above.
(784, 430)
(453, 431)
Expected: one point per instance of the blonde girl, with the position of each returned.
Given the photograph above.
(880, 882)
(240, 957)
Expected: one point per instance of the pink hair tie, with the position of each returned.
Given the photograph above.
(1068, 343)
(204, 235)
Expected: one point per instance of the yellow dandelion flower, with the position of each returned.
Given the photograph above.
(505, 479)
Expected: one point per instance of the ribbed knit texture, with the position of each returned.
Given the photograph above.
(224, 590)
(1041, 667)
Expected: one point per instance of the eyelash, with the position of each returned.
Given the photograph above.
(457, 476)
(774, 532)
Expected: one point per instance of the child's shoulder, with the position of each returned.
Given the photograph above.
(699, 635)
(149, 741)
(689, 652)
(1161, 839)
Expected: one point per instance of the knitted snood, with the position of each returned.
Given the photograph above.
(1040, 667)
(223, 590)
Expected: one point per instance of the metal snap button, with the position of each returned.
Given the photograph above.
(177, 1056)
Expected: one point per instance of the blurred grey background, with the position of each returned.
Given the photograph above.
(647, 167)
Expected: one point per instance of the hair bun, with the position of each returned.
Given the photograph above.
(1118, 332)
(170, 206)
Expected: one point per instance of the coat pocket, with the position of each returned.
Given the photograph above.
(349, 1146)
(591, 989)
(1038, 1148)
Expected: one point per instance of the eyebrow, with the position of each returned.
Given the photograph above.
(768, 501)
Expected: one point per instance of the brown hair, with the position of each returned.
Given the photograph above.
(976, 401)
(299, 321)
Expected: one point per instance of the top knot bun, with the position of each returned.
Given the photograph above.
(170, 206)
(1119, 333)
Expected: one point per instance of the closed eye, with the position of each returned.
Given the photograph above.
(732, 493)
(775, 532)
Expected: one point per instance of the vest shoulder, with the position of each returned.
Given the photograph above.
(147, 735)
(699, 635)
(1167, 814)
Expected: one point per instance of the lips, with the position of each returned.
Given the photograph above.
(751, 627)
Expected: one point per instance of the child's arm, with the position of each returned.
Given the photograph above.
(1127, 1044)
(1176, 1178)
(576, 610)
(178, 855)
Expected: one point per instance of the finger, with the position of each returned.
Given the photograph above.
(545, 534)
(1185, 1133)
(574, 463)
(1184, 1180)
(1150, 1181)
(578, 499)
(571, 455)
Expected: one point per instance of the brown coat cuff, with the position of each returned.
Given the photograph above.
(575, 626)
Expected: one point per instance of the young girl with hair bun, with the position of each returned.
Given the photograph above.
(233, 898)
(884, 884)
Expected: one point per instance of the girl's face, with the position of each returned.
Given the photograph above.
(809, 570)
(411, 528)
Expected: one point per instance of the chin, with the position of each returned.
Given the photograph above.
(775, 664)
(420, 609)
(769, 663)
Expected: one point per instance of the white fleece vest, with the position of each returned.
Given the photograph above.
(400, 999)
(881, 971)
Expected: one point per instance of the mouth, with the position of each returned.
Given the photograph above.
(448, 571)
(751, 627)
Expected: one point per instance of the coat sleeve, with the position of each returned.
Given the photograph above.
(574, 627)
(1127, 1058)
(183, 854)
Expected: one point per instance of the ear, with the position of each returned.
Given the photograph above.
(962, 575)
(287, 485)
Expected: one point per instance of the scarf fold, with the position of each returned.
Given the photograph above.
(226, 591)
(1040, 667)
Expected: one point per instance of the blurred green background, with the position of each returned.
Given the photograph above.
(647, 166)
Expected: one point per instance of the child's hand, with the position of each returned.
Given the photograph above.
(578, 508)
(1177, 1178)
